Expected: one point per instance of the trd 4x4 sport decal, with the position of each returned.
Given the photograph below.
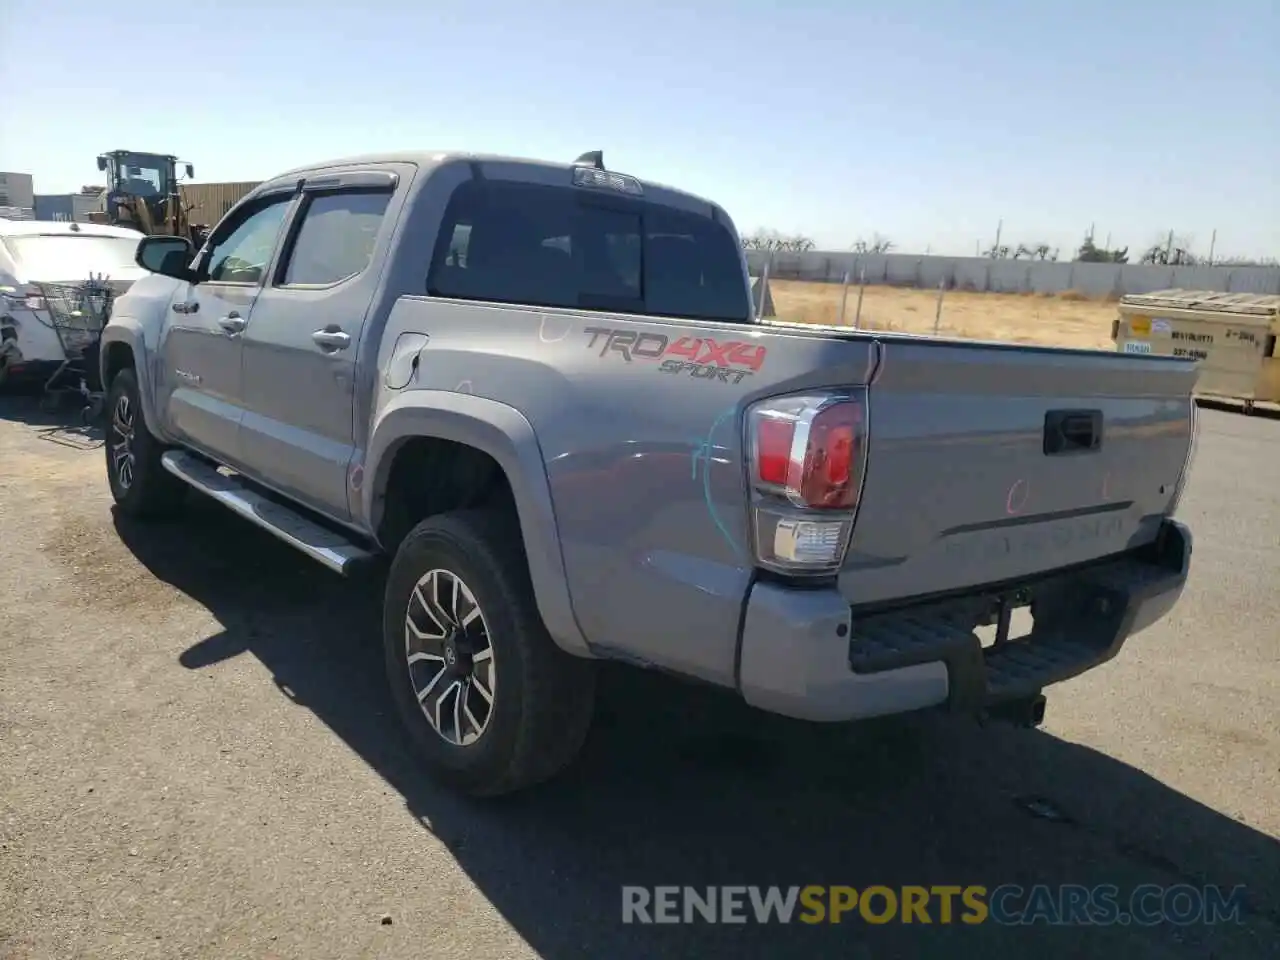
(702, 358)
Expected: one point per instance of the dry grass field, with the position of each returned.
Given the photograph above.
(1063, 320)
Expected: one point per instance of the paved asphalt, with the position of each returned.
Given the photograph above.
(197, 760)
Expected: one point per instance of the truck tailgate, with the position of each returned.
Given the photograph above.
(991, 463)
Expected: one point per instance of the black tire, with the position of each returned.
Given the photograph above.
(543, 697)
(149, 491)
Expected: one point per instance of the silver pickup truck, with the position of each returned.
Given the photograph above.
(540, 389)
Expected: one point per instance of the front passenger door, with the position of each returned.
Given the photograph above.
(201, 380)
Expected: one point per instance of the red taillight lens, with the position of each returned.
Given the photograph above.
(822, 470)
(773, 450)
(827, 481)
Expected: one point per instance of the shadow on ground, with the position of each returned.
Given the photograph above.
(683, 785)
(62, 421)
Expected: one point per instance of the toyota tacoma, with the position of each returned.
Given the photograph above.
(542, 391)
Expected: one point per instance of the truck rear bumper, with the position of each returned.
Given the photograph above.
(806, 654)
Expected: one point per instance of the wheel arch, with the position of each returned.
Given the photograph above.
(122, 346)
(502, 434)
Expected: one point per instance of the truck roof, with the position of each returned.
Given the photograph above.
(433, 158)
(1253, 304)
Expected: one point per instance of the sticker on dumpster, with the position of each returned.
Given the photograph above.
(1140, 325)
(1137, 346)
(1161, 326)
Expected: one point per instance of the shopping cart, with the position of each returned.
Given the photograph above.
(78, 312)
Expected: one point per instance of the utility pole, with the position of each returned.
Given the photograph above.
(999, 228)
(1213, 242)
(1168, 248)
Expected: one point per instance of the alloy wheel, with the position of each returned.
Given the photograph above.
(122, 427)
(450, 658)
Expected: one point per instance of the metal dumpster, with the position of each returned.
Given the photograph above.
(1232, 335)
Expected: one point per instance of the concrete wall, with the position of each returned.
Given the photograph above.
(1012, 276)
(17, 190)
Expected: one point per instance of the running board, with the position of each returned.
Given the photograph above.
(319, 543)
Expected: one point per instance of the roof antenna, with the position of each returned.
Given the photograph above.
(593, 158)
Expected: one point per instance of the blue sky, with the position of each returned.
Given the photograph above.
(927, 122)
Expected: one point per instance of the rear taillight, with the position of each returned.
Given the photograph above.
(807, 459)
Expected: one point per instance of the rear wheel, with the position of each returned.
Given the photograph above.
(491, 702)
(140, 485)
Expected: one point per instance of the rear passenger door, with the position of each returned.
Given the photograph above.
(300, 347)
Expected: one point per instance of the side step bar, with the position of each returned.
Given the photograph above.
(319, 543)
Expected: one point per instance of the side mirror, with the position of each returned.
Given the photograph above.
(102, 163)
(168, 256)
(191, 171)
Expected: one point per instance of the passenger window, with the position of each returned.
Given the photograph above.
(242, 256)
(336, 239)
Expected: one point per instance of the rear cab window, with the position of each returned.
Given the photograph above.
(583, 248)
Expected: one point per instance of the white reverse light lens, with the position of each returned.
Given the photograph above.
(809, 542)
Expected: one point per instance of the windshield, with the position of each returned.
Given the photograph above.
(143, 175)
(69, 257)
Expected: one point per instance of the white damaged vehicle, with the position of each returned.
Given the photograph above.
(35, 254)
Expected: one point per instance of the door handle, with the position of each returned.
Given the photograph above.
(186, 307)
(331, 339)
(233, 323)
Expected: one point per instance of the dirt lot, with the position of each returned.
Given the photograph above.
(197, 760)
(1061, 320)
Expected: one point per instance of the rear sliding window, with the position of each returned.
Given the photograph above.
(575, 247)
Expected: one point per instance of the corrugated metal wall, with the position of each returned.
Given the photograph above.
(1013, 276)
(209, 202)
(82, 204)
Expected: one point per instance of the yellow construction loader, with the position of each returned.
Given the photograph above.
(142, 193)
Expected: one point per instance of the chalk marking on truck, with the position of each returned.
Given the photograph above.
(542, 329)
(702, 452)
(1009, 507)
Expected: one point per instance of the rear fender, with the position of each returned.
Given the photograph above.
(504, 434)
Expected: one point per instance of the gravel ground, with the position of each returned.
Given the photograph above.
(197, 760)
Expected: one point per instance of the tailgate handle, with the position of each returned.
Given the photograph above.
(1072, 431)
